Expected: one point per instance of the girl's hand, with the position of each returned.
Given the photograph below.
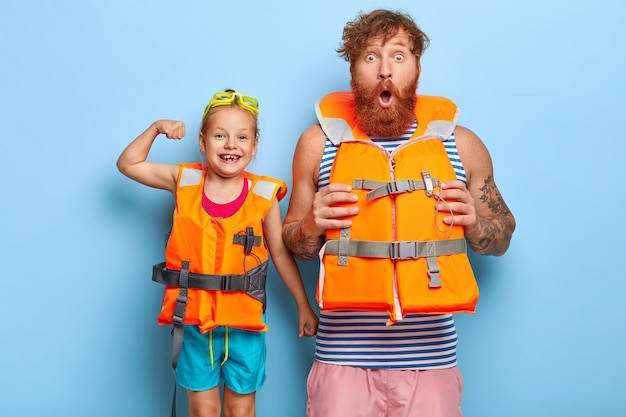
(172, 129)
(308, 323)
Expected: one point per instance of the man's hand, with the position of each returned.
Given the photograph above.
(330, 206)
(456, 201)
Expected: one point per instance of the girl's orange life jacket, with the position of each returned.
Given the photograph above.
(215, 268)
(398, 257)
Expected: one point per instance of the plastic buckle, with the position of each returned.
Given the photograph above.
(392, 188)
(408, 250)
(226, 283)
(249, 239)
(435, 280)
(403, 250)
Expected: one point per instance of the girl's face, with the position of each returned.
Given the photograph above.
(229, 141)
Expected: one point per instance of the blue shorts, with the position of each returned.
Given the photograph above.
(243, 371)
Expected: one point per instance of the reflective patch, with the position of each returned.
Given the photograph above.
(337, 130)
(190, 176)
(265, 189)
(440, 129)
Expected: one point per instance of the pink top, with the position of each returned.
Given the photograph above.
(228, 209)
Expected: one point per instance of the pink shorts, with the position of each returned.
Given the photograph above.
(340, 391)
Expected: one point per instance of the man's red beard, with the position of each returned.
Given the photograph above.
(379, 122)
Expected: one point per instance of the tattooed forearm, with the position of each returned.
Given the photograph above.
(302, 246)
(493, 233)
(491, 196)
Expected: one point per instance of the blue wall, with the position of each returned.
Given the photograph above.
(540, 81)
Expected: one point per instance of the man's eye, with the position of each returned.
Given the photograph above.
(370, 58)
(399, 58)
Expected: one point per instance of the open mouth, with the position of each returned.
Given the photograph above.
(384, 98)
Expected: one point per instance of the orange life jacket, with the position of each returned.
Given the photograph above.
(398, 257)
(218, 264)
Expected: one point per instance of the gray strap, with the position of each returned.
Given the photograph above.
(179, 314)
(247, 240)
(367, 184)
(174, 400)
(400, 250)
(433, 272)
(344, 240)
(398, 187)
(431, 252)
(381, 189)
(253, 279)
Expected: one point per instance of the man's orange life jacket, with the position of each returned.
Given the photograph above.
(398, 257)
(215, 268)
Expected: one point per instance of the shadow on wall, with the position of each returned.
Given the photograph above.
(143, 218)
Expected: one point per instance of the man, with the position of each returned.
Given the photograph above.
(380, 356)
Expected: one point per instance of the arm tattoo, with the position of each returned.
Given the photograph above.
(496, 230)
(302, 246)
(491, 196)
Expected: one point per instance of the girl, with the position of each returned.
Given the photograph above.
(224, 222)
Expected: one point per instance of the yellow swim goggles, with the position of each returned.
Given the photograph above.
(223, 98)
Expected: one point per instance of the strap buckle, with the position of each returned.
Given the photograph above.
(400, 186)
(402, 250)
(227, 283)
(249, 240)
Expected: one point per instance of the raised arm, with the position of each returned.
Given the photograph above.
(132, 162)
(479, 206)
(310, 211)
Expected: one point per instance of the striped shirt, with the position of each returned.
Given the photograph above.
(363, 339)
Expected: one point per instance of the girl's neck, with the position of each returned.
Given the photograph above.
(222, 190)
